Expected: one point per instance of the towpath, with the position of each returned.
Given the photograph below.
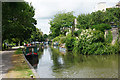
(5, 62)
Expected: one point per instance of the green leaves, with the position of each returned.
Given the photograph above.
(18, 21)
(109, 37)
(92, 42)
(70, 43)
(61, 23)
(37, 35)
(85, 21)
(102, 27)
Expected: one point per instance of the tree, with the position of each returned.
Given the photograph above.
(102, 27)
(61, 23)
(85, 21)
(18, 22)
(37, 35)
(112, 15)
(45, 36)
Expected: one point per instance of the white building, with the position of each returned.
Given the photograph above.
(118, 5)
(101, 6)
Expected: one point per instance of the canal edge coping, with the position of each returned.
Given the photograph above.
(33, 70)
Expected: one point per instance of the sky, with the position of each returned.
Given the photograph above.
(46, 9)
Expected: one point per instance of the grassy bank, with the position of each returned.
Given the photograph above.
(20, 67)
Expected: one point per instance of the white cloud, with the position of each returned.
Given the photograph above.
(43, 25)
(45, 9)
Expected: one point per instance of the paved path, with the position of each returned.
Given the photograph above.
(5, 62)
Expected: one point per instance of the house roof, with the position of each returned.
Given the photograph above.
(118, 4)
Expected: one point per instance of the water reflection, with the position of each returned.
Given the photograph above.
(54, 63)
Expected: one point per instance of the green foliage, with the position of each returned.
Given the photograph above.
(84, 21)
(61, 23)
(90, 36)
(92, 42)
(70, 42)
(36, 35)
(112, 15)
(62, 40)
(99, 17)
(78, 32)
(17, 21)
(56, 39)
(45, 36)
(18, 51)
(102, 27)
(109, 37)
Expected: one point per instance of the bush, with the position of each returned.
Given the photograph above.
(102, 27)
(96, 48)
(56, 38)
(89, 36)
(62, 40)
(76, 33)
(70, 42)
(109, 37)
(92, 42)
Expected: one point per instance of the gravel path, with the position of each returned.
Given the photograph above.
(5, 62)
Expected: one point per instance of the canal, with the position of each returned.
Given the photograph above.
(55, 62)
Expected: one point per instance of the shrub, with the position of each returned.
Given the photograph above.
(56, 38)
(76, 33)
(109, 37)
(70, 42)
(102, 27)
(90, 42)
(62, 40)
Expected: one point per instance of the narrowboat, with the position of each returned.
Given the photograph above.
(30, 51)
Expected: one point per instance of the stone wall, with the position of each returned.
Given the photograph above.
(115, 34)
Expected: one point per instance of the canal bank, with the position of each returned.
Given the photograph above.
(31, 67)
(15, 65)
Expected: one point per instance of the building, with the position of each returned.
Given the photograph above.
(101, 6)
(118, 5)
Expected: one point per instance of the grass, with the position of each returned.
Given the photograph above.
(20, 67)
(18, 51)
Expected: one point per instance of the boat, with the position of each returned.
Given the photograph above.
(33, 60)
(30, 51)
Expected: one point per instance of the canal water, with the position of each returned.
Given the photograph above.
(55, 62)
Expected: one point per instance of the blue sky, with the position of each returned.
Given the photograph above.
(46, 9)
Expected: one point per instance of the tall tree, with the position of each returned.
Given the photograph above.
(110, 15)
(36, 35)
(17, 21)
(61, 23)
